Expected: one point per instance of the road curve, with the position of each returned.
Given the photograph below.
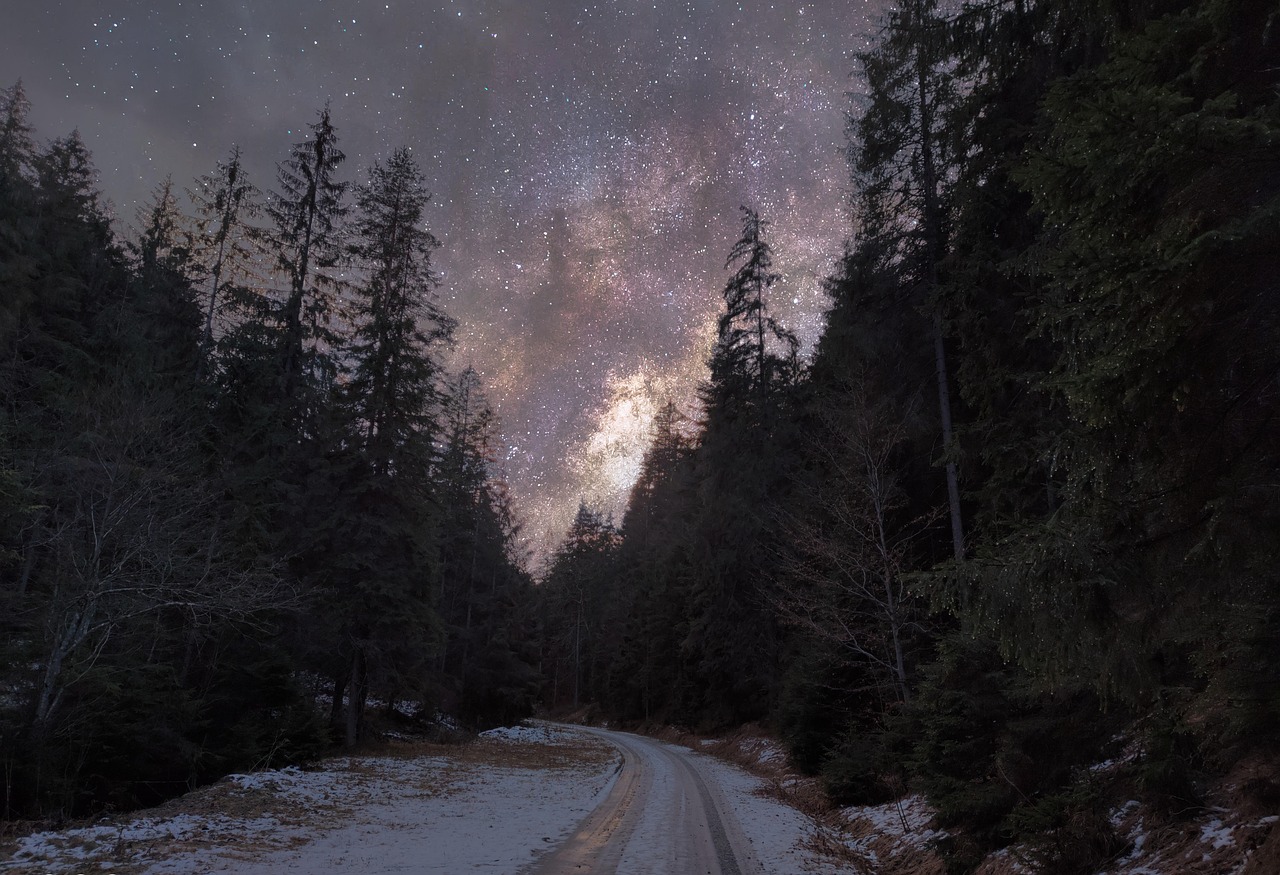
(664, 816)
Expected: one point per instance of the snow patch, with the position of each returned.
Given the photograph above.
(1217, 835)
(84, 844)
(909, 820)
(358, 814)
(539, 733)
(1118, 816)
(763, 750)
(776, 832)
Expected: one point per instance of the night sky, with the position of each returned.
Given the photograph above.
(587, 159)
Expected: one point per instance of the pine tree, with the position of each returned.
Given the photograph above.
(902, 169)
(1154, 301)
(484, 592)
(222, 240)
(576, 596)
(386, 515)
(739, 468)
(163, 289)
(398, 324)
(17, 207)
(306, 214)
(753, 354)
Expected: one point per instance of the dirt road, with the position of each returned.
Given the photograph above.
(536, 800)
(664, 816)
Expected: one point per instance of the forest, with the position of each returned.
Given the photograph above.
(236, 479)
(1018, 510)
(1021, 510)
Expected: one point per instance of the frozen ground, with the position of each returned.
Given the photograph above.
(492, 807)
(508, 803)
(780, 836)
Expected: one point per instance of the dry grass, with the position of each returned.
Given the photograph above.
(834, 837)
(399, 768)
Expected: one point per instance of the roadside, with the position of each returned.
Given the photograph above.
(501, 803)
(491, 805)
(1232, 834)
(495, 805)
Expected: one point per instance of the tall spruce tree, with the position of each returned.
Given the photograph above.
(17, 202)
(486, 659)
(738, 467)
(577, 595)
(387, 514)
(306, 214)
(222, 241)
(903, 165)
(753, 354)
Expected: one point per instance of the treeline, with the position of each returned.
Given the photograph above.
(235, 478)
(1022, 509)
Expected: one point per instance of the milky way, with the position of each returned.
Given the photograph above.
(587, 159)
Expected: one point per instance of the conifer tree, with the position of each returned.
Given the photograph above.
(398, 325)
(306, 215)
(902, 169)
(753, 354)
(483, 590)
(162, 288)
(386, 510)
(738, 467)
(17, 204)
(222, 239)
(577, 592)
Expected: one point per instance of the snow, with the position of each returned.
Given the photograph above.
(423, 814)
(1131, 752)
(1118, 816)
(1005, 859)
(765, 750)
(538, 733)
(1216, 834)
(776, 832)
(909, 820)
(362, 814)
(89, 844)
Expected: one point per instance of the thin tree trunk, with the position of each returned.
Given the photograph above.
(933, 254)
(577, 656)
(944, 402)
(335, 707)
(28, 565)
(356, 697)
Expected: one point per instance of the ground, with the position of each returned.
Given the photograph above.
(514, 799)
(497, 805)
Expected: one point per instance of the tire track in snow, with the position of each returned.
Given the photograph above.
(662, 817)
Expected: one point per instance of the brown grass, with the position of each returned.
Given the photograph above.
(453, 763)
(833, 832)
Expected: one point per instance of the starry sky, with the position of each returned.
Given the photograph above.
(587, 161)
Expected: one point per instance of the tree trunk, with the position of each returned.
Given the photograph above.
(933, 231)
(356, 697)
(335, 707)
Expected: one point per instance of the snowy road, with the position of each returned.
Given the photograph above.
(665, 815)
(539, 800)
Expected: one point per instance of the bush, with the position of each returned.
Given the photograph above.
(1067, 833)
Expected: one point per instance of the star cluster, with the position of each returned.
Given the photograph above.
(587, 158)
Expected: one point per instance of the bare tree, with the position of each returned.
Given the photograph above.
(131, 535)
(842, 576)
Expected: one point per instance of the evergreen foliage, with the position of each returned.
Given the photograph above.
(228, 480)
(199, 522)
(1066, 233)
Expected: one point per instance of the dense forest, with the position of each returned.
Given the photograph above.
(1018, 510)
(1022, 508)
(235, 479)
